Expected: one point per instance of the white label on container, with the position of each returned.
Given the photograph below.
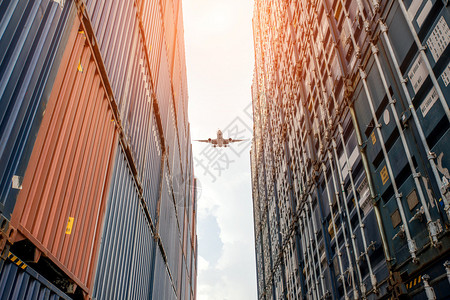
(424, 13)
(413, 8)
(429, 101)
(16, 182)
(417, 74)
(439, 39)
(446, 75)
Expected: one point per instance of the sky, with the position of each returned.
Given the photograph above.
(219, 59)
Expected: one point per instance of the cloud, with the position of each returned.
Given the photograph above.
(232, 274)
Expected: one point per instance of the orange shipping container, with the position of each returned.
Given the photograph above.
(62, 201)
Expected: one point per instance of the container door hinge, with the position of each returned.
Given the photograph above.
(405, 117)
(447, 269)
(434, 229)
(400, 233)
(429, 291)
(418, 215)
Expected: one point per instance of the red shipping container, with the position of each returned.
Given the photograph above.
(61, 205)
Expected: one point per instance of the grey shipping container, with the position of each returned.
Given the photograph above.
(125, 261)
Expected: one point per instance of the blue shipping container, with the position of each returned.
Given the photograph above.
(124, 267)
(22, 282)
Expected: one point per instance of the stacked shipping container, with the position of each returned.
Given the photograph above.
(97, 190)
(350, 150)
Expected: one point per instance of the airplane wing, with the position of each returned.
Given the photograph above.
(212, 141)
(229, 141)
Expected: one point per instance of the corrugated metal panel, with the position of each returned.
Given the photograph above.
(162, 285)
(178, 94)
(169, 15)
(171, 138)
(115, 42)
(153, 30)
(179, 180)
(140, 127)
(32, 39)
(125, 259)
(18, 283)
(181, 49)
(168, 228)
(62, 198)
(153, 170)
(164, 89)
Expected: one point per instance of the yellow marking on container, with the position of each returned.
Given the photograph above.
(69, 226)
(384, 175)
(374, 139)
(17, 261)
(420, 278)
(79, 67)
(415, 281)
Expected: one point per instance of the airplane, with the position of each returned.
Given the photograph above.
(220, 141)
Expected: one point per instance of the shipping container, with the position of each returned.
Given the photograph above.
(97, 170)
(125, 259)
(348, 165)
(33, 38)
(19, 281)
(62, 197)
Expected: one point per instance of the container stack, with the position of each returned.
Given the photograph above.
(350, 156)
(97, 194)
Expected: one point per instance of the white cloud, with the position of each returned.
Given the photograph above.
(203, 264)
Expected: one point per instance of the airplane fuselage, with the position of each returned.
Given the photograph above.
(220, 141)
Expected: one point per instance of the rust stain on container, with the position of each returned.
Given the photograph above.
(62, 201)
